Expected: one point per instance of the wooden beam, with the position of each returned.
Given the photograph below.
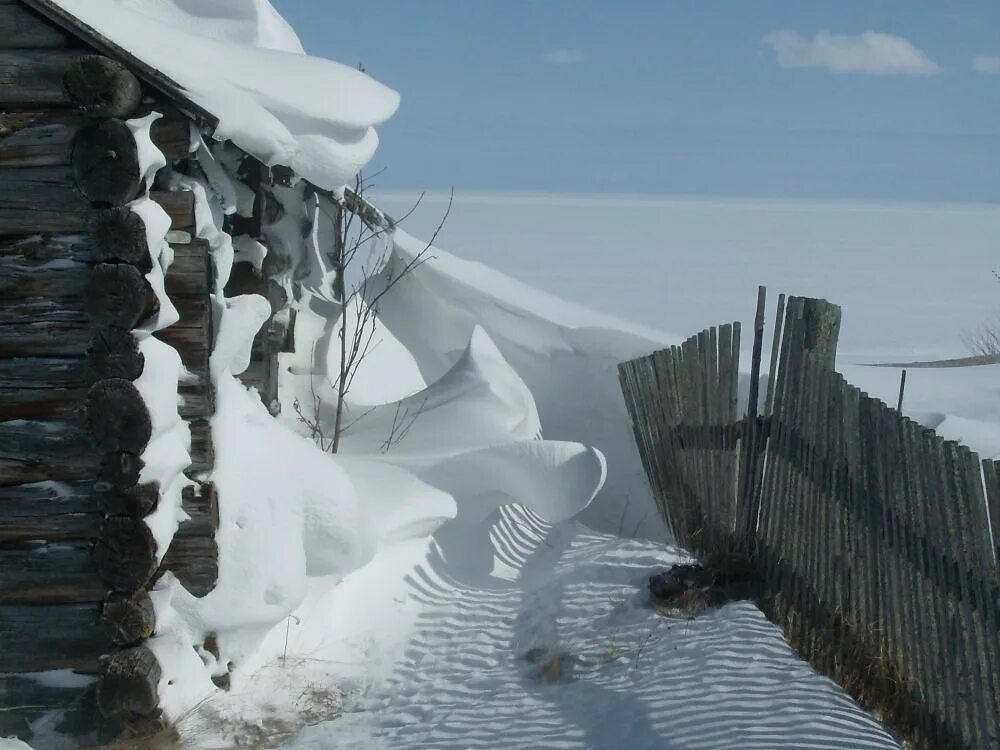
(22, 278)
(42, 327)
(41, 637)
(201, 503)
(190, 275)
(35, 451)
(194, 560)
(35, 78)
(49, 573)
(202, 448)
(36, 200)
(50, 511)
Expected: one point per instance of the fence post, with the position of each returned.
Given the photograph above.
(748, 496)
(822, 320)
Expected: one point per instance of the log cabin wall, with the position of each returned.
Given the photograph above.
(76, 558)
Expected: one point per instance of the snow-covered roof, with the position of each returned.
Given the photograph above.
(239, 65)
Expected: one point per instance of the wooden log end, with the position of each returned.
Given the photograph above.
(117, 416)
(114, 353)
(118, 296)
(125, 553)
(129, 683)
(137, 502)
(102, 87)
(120, 234)
(118, 471)
(129, 619)
(106, 163)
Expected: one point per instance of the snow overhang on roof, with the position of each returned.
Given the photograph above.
(283, 107)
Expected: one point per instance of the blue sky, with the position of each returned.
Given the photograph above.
(680, 97)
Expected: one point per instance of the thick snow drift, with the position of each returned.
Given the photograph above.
(566, 355)
(313, 115)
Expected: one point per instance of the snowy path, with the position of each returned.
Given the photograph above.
(632, 678)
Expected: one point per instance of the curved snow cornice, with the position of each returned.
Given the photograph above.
(241, 64)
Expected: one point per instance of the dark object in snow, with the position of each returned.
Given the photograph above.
(694, 587)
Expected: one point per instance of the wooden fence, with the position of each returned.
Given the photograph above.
(877, 539)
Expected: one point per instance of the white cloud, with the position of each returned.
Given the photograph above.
(564, 56)
(986, 64)
(871, 53)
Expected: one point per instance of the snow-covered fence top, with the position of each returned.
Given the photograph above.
(872, 533)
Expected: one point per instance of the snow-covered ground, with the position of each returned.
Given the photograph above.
(498, 630)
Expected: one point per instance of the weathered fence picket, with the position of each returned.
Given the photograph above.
(877, 540)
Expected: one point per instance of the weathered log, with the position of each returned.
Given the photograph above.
(197, 396)
(194, 560)
(125, 553)
(202, 449)
(41, 403)
(129, 683)
(40, 451)
(190, 275)
(36, 200)
(128, 619)
(34, 78)
(117, 416)
(106, 163)
(49, 573)
(21, 28)
(102, 87)
(201, 503)
(119, 296)
(42, 327)
(114, 353)
(44, 144)
(191, 336)
(43, 387)
(45, 372)
(71, 709)
(22, 278)
(40, 637)
(120, 234)
(42, 248)
(137, 501)
(45, 139)
(50, 511)
(118, 471)
(179, 205)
